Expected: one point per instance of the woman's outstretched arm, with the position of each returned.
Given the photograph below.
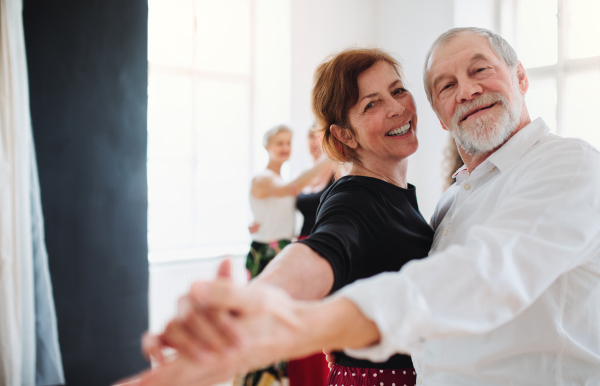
(266, 186)
(299, 271)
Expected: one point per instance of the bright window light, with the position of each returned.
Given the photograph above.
(217, 80)
(541, 101)
(537, 39)
(558, 43)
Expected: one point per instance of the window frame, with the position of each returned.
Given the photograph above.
(195, 249)
(563, 67)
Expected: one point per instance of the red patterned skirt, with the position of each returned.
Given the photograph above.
(357, 376)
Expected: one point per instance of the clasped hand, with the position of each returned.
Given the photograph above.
(222, 330)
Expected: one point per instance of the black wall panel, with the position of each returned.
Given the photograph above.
(88, 77)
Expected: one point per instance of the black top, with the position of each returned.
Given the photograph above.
(366, 226)
(308, 204)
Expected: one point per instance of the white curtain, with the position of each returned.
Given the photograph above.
(29, 352)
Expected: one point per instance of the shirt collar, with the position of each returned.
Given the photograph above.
(461, 174)
(512, 151)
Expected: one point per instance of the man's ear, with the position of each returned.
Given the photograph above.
(344, 135)
(522, 78)
(443, 126)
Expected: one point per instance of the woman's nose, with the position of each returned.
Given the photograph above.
(396, 108)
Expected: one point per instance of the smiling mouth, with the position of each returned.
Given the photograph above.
(478, 110)
(399, 130)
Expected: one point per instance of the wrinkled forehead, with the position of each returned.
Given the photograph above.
(380, 71)
(456, 52)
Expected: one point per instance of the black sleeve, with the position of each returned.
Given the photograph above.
(350, 224)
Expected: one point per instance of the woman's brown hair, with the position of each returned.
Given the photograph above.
(335, 91)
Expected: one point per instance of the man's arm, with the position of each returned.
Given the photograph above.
(547, 225)
(271, 326)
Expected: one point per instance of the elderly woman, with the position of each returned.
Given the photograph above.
(368, 221)
(273, 201)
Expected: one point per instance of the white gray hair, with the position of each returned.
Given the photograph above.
(273, 132)
(499, 45)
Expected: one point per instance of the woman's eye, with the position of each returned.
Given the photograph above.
(399, 91)
(369, 105)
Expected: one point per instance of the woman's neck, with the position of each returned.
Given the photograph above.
(395, 175)
(274, 166)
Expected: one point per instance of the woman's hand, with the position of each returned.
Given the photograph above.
(253, 227)
(329, 357)
(267, 325)
(195, 330)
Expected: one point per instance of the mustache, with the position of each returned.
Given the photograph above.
(481, 101)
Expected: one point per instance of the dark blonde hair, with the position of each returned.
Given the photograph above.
(451, 162)
(335, 91)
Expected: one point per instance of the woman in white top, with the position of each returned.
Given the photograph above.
(273, 204)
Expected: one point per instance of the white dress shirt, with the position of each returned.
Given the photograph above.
(510, 292)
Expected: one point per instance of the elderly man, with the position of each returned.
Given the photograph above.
(510, 293)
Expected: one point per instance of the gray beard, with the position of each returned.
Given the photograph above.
(487, 132)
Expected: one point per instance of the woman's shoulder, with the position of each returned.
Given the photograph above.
(354, 188)
(362, 183)
(265, 178)
(266, 174)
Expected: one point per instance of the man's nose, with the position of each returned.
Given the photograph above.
(467, 90)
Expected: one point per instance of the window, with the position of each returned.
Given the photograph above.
(204, 104)
(558, 42)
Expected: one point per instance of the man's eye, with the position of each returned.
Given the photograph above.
(446, 87)
(479, 69)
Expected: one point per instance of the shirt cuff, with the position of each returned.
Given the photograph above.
(378, 300)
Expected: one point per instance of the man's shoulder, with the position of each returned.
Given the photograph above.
(553, 142)
(551, 149)
(565, 164)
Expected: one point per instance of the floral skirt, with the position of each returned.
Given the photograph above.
(261, 254)
(277, 374)
(357, 376)
(274, 375)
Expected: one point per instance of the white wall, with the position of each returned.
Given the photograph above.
(272, 70)
(319, 28)
(407, 28)
(478, 13)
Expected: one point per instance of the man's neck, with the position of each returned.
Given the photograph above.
(473, 160)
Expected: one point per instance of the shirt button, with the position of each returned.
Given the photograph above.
(419, 381)
(467, 186)
(446, 231)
